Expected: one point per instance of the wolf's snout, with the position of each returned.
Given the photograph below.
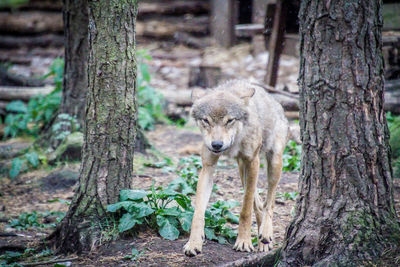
(217, 145)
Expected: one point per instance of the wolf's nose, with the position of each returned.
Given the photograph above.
(217, 144)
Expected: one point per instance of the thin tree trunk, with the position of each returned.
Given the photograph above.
(75, 82)
(345, 212)
(107, 159)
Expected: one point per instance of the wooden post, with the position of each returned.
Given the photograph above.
(259, 17)
(223, 20)
(276, 43)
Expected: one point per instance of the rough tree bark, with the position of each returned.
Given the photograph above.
(107, 155)
(75, 82)
(345, 212)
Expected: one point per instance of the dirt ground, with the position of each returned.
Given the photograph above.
(33, 191)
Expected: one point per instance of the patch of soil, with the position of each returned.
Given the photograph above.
(60, 179)
(157, 251)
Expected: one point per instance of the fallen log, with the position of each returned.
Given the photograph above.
(53, 5)
(11, 79)
(14, 59)
(183, 98)
(32, 41)
(173, 8)
(23, 93)
(165, 29)
(191, 41)
(31, 22)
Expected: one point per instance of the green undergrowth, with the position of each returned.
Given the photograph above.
(29, 119)
(169, 209)
(291, 157)
(35, 219)
(31, 255)
(394, 129)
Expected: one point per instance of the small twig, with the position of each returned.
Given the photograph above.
(273, 90)
(47, 262)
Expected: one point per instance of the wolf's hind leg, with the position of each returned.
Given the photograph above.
(243, 241)
(265, 238)
(258, 203)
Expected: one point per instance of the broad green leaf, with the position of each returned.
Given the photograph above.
(171, 212)
(230, 217)
(16, 167)
(140, 210)
(32, 158)
(17, 106)
(127, 222)
(168, 192)
(145, 72)
(210, 234)
(222, 240)
(168, 230)
(123, 204)
(184, 202)
(132, 194)
(186, 221)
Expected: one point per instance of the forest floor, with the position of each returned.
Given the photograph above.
(46, 190)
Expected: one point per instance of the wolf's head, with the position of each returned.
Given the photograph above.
(220, 115)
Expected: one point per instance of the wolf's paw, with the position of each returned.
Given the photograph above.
(264, 247)
(192, 248)
(264, 243)
(243, 245)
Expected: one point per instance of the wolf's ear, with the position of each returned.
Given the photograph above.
(247, 92)
(198, 93)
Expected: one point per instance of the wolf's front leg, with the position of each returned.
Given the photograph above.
(203, 192)
(243, 241)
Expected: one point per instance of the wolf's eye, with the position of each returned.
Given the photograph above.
(205, 121)
(230, 121)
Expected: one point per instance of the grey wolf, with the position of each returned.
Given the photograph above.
(239, 119)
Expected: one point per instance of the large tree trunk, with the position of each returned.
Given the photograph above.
(107, 159)
(345, 213)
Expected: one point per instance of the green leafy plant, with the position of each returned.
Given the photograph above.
(30, 118)
(135, 254)
(287, 195)
(394, 129)
(35, 219)
(150, 102)
(291, 157)
(188, 175)
(65, 125)
(9, 258)
(30, 159)
(170, 213)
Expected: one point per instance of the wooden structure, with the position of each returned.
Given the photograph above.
(223, 20)
(276, 43)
